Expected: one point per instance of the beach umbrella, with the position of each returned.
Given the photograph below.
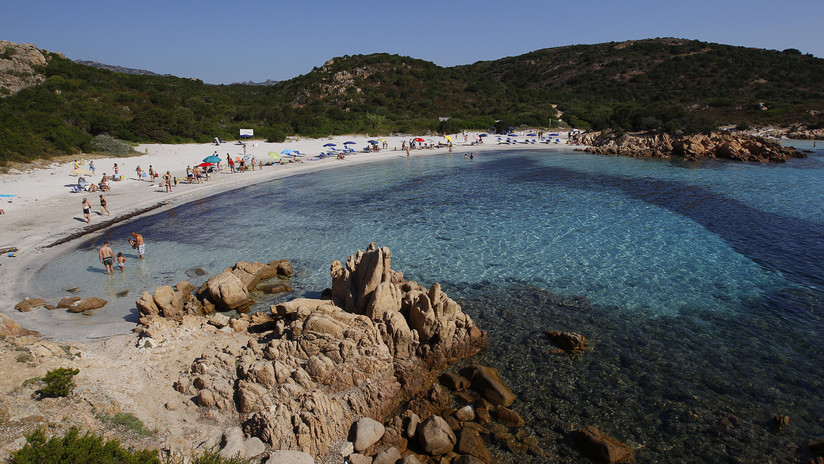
(205, 165)
(330, 145)
(211, 159)
(373, 142)
(418, 139)
(274, 155)
(80, 172)
(381, 139)
(448, 138)
(349, 143)
(482, 135)
(288, 151)
(531, 135)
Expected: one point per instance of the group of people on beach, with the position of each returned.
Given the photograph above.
(107, 257)
(87, 208)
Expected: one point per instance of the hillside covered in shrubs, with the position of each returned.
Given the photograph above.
(670, 85)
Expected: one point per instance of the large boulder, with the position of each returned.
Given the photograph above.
(601, 447)
(470, 442)
(227, 291)
(87, 304)
(487, 382)
(252, 273)
(28, 304)
(146, 305)
(170, 301)
(435, 436)
(367, 432)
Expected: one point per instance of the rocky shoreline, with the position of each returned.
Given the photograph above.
(731, 146)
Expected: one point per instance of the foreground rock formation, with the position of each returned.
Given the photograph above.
(312, 368)
(737, 147)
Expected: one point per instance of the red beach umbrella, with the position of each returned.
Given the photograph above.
(418, 139)
(205, 165)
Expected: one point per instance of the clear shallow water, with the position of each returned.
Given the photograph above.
(698, 284)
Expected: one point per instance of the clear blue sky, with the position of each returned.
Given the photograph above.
(225, 42)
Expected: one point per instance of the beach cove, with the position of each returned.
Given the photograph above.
(670, 269)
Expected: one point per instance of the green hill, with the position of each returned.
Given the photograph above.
(657, 84)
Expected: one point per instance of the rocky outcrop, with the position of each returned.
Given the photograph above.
(806, 134)
(227, 291)
(737, 147)
(9, 328)
(19, 67)
(312, 368)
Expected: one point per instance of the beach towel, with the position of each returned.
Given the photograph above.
(7, 196)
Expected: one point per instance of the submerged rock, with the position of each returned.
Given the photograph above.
(570, 342)
(599, 446)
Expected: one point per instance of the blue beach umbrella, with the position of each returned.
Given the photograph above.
(482, 135)
(330, 145)
(349, 143)
(211, 159)
(373, 142)
(288, 151)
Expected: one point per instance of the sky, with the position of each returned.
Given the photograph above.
(226, 42)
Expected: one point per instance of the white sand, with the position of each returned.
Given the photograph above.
(44, 210)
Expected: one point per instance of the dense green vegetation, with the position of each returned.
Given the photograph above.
(76, 449)
(72, 448)
(659, 84)
(59, 382)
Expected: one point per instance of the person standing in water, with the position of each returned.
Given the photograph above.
(138, 243)
(106, 257)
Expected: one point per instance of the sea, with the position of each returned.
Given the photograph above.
(698, 285)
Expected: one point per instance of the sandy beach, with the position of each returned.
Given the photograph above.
(43, 216)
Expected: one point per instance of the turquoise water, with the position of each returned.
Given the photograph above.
(698, 284)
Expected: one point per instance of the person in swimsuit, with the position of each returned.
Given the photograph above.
(138, 243)
(103, 206)
(121, 261)
(106, 257)
(87, 210)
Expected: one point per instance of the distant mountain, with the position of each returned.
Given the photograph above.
(53, 105)
(266, 82)
(138, 72)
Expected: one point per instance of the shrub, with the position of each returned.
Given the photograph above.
(108, 145)
(128, 421)
(76, 449)
(59, 382)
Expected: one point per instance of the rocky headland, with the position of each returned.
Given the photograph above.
(731, 146)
